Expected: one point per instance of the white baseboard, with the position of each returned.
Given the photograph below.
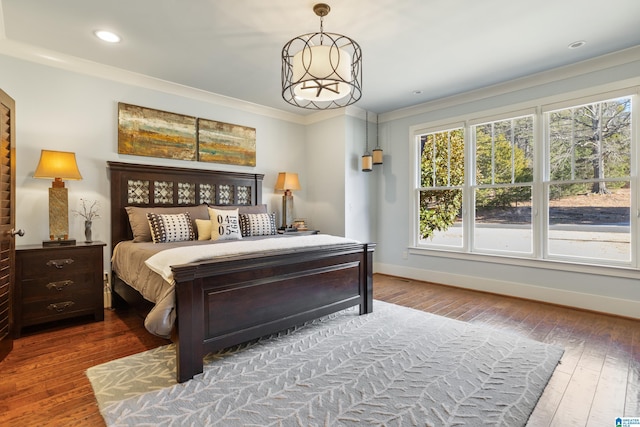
(599, 303)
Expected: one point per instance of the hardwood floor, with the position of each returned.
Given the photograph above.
(42, 380)
(43, 383)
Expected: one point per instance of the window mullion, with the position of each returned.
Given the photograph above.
(468, 194)
(540, 173)
(513, 152)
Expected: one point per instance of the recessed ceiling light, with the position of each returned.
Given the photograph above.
(107, 36)
(577, 44)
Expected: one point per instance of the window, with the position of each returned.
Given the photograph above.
(502, 190)
(552, 183)
(441, 184)
(589, 181)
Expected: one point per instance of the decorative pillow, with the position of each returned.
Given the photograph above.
(245, 209)
(262, 224)
(170, 227)
(204, 229)
(225, 224)
(140, 224)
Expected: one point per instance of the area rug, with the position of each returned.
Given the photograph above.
(394, 367)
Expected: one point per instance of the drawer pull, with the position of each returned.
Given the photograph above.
(60, 306)
(60, 285)
(59, 263)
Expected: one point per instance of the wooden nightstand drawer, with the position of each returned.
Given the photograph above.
(56, 308)
(58, 282)
(56, 264)
(56, 286)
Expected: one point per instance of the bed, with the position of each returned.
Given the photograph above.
(235, 298)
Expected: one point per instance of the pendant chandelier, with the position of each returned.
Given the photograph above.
(321, 71)
(377, 152)
(367, 159)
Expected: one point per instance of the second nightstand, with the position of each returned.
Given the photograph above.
(58, 282)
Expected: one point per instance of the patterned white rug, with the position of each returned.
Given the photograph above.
(394, 367)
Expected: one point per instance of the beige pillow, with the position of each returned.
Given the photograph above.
(140, 225)
(204, 229)
(225, 224)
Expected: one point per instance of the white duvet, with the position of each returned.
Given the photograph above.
(162, 261)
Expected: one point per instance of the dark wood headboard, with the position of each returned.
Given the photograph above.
(164, 186)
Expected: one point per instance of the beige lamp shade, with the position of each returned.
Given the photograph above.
(321, 73)
(367, 162)
(377, 156)
(287, 181)
(57, 165)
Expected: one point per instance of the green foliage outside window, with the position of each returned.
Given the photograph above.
(498, 161)
(442, 166)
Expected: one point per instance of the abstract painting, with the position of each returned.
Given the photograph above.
(153, 133)
(226, 143)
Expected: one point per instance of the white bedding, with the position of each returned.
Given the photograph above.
(162, 261)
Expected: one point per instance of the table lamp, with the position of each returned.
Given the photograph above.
(286, 182)
(59, 166)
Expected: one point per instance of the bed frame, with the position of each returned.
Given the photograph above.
(231, 300)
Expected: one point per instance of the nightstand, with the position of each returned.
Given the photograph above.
(294, 232)
(57, 282)
(306, 232)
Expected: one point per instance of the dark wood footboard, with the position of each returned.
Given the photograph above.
(233, 300)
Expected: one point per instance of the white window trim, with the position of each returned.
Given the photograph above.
(539, 206)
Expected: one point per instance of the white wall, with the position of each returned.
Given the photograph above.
(614, 291)
(63, 110)
(325, 184)
(360, 205)
(340, 196)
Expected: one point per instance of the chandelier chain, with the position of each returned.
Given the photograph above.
(366, 130)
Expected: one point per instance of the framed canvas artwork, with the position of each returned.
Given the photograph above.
(154, 133)
(226, 143)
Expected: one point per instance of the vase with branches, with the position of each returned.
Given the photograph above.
(89, 212)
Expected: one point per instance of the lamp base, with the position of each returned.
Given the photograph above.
(58, 213)
(287, 209)
(59, 242)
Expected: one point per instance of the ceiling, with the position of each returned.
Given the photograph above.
(414, 51)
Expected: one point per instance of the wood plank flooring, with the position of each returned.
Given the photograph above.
(42, 381)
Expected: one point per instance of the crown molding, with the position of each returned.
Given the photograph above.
(71, 63)
(576, 69)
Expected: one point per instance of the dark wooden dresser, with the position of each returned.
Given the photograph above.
(57, 282)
